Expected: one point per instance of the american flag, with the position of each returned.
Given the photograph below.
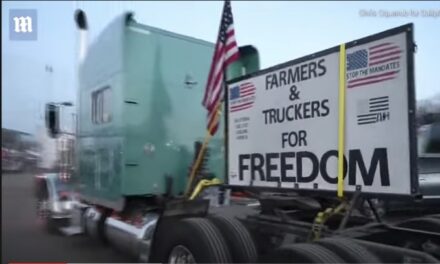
(241, 96)
(226, 52)
(373, 110)
(374, 56)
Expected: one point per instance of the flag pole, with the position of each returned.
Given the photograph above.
(222, 39)
(202, 149)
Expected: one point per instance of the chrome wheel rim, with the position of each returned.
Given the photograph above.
(181, 254)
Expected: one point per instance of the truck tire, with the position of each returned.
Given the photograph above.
(303, 253)
(190, 240)
(239, 240)
(349, 250)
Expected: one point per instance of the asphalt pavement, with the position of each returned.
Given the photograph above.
(24, 239)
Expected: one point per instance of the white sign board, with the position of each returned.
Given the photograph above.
(283, 121)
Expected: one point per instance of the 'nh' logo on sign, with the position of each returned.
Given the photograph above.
(23, 24)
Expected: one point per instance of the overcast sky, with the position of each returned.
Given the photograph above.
(281, 31)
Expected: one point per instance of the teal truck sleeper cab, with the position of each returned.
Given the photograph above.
(140, 112)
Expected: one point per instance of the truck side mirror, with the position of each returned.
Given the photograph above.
(248, 62)
(52, 120)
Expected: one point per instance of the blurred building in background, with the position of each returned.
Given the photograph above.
(428, 110)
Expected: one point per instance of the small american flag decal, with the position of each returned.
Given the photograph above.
(375, 64)
(376, 110)
(242, 96)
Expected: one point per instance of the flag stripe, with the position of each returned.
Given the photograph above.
(370, 82)
(378, 101)
(229, 54)
(380, 46)
(214, 76)
(384, 49)
(384, 60)
(247, 85)
(210, 76)
(385, 55)
(367, 122)
(241, 105)
(378, 98)
(247, 94)
(232, 58)
(367, 118)
(366, 115)
(216, 87)
(247, 89)
(378, 106)
(379, 109)
(245, 106)
(216, 96)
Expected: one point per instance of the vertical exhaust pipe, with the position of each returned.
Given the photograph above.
(83, 27)
(81, 23)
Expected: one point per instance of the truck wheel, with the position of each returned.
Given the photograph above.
(191, 240)
(349, 250)
(238, 238)
(303, 253)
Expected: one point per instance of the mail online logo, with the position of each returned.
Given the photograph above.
(23, 24)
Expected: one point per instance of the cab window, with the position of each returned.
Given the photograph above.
(101, 106)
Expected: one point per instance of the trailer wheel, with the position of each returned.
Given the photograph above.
(190, 240)
(303, 253)
(349, 250)
(238, 238)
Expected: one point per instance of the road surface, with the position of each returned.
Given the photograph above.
(24, 241)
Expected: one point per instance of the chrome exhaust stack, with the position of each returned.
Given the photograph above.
(135, 240)
(81, 23)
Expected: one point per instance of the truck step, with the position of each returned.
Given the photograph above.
(71, 230)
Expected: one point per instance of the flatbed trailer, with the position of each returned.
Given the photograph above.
(133, 159)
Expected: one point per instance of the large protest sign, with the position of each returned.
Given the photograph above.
(283, 121)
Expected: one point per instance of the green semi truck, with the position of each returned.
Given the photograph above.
(139, 130)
